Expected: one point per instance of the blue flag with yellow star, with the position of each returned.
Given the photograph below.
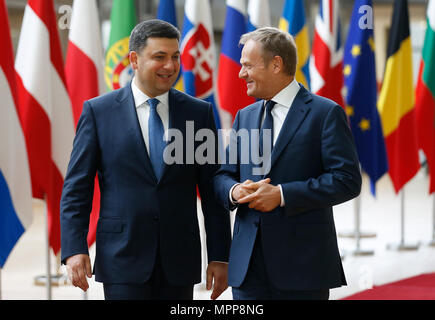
(361, 93)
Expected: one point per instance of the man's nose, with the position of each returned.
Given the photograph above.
(170, 64)
(242, 73)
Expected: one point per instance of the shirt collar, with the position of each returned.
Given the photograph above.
(286, 96)
(140, 97)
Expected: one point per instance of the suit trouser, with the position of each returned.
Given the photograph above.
(257, 285)
(156, 288)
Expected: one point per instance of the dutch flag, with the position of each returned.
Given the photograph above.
(15, 187)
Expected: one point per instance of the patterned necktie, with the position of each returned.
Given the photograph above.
(156, 138)
(267, 124)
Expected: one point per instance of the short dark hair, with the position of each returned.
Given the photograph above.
(275, 42)
(154, 28)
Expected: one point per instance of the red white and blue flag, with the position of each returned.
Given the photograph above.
(326, 63)
(232, 89)
(15, 186)
(198, 53)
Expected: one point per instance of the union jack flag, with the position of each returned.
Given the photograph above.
(326, 63)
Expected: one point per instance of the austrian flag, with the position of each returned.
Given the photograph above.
(45, 108)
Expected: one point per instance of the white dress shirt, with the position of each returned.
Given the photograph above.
(283, 101)
(143, 111)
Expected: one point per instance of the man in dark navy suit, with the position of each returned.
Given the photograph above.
(148, 239)
(284, 241)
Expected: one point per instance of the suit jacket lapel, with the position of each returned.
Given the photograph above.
(126, 101)
(297, 113)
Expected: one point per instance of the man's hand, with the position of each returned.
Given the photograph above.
(264, 197)
(78, 267)
(217, 271)
(246, 188)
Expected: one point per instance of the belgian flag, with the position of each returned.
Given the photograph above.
(397, 100)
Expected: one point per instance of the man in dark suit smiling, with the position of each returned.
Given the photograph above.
(148, 242)
(284, 242)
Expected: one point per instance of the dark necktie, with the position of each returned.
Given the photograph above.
(156, 139)
(267, 124)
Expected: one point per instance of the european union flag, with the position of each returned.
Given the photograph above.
(361, 95)
(166, 11)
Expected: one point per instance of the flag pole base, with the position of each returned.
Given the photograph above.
(353, 234)
(57, 280)
(360, 252)
(403, 246)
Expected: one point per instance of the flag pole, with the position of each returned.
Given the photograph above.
(45, 280)
(47, 253)
(402, 246)
(0, 283)
(357, 210)
(357, 233)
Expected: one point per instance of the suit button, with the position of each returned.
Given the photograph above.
(256, 224)
(156, 218)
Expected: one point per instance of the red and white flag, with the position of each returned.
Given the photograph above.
(85, 74)
(45, 108)
(326, 62)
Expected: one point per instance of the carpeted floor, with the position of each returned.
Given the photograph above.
(421, 287)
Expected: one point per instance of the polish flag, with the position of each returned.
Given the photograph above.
(45, 108)
(84, 74)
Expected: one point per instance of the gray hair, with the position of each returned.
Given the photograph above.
(275, 42)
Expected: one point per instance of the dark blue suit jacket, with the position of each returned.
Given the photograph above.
(139, 213)
(315, 161)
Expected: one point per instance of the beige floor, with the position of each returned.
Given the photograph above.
(380, 216)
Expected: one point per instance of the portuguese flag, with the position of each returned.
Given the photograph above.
(118, 72)
(425, 96)
(397, 100)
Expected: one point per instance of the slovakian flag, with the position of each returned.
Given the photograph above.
(258, 14)
(15, 186)
(166, 12)
(45, 108)
(326, 62)
(425, 96)
(198, 53)
(84, 71)
(293, 22)
(361, 96)
(396, 101)
(231, 89)
(118, 71)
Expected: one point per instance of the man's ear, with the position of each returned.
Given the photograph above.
(278, 64)
(133, 59)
